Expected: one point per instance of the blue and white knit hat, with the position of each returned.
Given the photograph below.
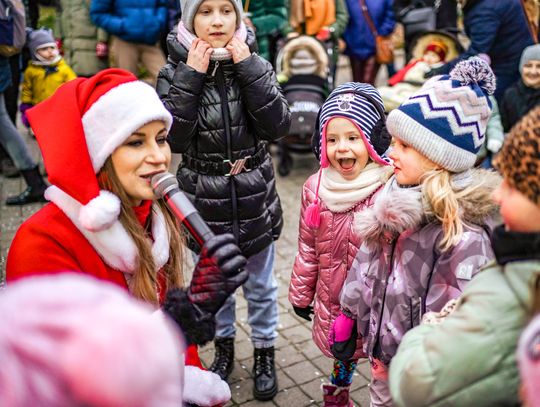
(446, 119)
(362, 113)
(348, 101)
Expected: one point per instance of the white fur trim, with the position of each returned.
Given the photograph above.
(117, 114)
(113, 244)
(100, 212)
(204, 388)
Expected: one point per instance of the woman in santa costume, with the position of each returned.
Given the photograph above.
(102, 139)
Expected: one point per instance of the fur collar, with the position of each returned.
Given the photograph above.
(113, 244)
(398, 209)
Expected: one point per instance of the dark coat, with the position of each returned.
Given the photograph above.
(227, 114)
(518, 100)
(5, 74)
(499, 29)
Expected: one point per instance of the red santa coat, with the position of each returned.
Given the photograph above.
(51, 242)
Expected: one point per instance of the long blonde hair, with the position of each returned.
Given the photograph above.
(443, 201)
(144, 284)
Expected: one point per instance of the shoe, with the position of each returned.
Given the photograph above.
(7, 167)
(264, 374)
(34, 192)
(334, 396)
(223, 363)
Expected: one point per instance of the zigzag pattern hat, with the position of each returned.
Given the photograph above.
(446, 119)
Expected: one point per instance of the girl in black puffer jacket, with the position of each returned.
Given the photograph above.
(226, 105)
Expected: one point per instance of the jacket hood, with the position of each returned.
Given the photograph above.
(178, 53)
(398, 209)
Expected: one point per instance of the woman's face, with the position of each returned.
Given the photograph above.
(143, 154)
(215, 22)
(531, 74)
(409, 165)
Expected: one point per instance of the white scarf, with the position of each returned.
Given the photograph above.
(186, 37)
(340, 194)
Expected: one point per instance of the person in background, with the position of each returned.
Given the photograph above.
(72, 340)
(105, 221)
(523, 95)
(499, 29)
(84, 45)
(46, 71)
(227, 105)
(359, 38)
(135, 30)
(267, 18)
(470, 358)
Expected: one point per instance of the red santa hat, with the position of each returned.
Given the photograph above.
(81, 125)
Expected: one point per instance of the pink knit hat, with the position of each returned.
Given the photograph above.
(71, 340)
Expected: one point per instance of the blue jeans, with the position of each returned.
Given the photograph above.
(12, 141)
(260, 291)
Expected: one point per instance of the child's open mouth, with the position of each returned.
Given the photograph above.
(346, 163)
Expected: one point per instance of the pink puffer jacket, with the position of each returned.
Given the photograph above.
(324, 257)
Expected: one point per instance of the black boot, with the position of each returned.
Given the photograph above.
(264, 374)
(34, 191)
(224, 358)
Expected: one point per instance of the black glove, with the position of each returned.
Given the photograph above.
(219, 272)
(304, 312)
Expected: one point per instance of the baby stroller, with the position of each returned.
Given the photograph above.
(303, 66)
(410, 79)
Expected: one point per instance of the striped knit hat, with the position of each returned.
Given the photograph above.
(446, 119)
(353, 101)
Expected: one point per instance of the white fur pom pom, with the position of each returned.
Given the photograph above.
(100, 212)
(475, 70)
(204, 388)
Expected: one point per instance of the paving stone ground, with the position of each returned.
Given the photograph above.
(301, 367)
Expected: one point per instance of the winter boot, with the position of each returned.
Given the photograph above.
(224, 358)
(334, 396)
(33, 192)
(264, 374)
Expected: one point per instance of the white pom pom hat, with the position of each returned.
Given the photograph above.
(80, 126)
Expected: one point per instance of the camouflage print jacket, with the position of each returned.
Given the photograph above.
(400, 273)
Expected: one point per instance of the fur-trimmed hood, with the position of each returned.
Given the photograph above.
(304, 42)
(398, 209)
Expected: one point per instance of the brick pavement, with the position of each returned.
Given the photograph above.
(300, 365)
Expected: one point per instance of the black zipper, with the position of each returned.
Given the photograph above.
(220, 82)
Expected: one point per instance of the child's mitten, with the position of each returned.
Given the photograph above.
(343, 335)
(23, 108)
(304, 312)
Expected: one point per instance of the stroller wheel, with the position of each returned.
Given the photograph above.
(285, 164)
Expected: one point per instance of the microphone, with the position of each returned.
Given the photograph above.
(166, 187)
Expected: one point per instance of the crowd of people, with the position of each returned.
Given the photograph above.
(418, 243)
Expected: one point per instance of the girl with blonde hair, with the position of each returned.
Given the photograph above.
(427, 233)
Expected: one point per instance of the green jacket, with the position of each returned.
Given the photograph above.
(269, 17)
(469, 359)
(80, 36)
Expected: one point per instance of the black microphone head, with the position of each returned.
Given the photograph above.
(163, 183)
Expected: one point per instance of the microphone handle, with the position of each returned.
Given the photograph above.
(192, 221)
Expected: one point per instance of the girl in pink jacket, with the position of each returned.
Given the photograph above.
(351, 148)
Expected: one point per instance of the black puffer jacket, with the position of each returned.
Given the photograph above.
(227, 113)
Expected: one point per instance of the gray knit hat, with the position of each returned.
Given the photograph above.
(189, 9)
(530, 53)
(40, 39)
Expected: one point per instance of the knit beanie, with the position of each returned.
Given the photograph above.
(72, 340)
(369, 120)
(528, 354)
(40, 39)
(97, 115)
(531, 53)
(303, 63)
(438, 47)
(446, 119)
(189, 10)
(519, 159)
